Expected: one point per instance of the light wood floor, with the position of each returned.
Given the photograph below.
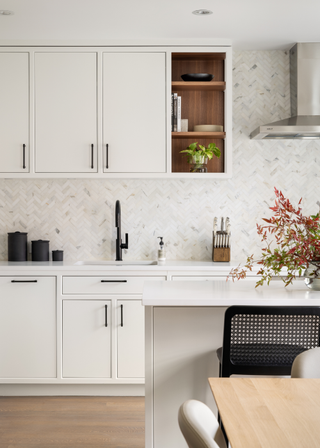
(65, 422)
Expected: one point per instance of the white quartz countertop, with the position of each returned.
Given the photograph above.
(227, 293)
(211, 268)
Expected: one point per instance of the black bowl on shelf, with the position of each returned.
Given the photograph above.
(197, 77)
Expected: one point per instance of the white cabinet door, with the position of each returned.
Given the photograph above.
(134, 111)
(14, 112)
(28, 327)
(86, 339)
(65, 112)
(130, 332)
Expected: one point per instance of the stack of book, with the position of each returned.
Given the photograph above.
(175, 113)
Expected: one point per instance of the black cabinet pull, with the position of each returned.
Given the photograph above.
(24, 156)
(24, 281)
(121, 307)
(106, 315)
(107, 156)
(113, 281)
(92, 156)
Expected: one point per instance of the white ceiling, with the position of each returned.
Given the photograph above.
(246, 24)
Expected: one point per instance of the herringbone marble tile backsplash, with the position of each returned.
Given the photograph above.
(78, 215)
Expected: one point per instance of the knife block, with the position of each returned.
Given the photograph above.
(221, 254)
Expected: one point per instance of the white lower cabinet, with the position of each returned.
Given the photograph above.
(28, 327)
(86, 338)
(200, 278)
(88, 332)
(210, 278)
(130, 338)
(103, 328)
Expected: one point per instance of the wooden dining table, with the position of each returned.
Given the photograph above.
(269, 412)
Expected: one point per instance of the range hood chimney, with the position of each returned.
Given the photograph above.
(304, 122)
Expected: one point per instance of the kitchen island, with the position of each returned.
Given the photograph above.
(184, 328)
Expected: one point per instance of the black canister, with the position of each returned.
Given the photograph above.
(57, 255)
(40, 250)
(17, 246)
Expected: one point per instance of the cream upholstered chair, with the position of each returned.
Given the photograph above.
(307, 364)
(199, 426)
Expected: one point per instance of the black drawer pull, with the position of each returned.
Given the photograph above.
(106, 315)
(121, 324)
(92, 156)
(24, 156)
(24, 281)
(113, 281)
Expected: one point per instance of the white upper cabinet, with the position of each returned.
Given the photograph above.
(134, 112)
(105, 112)
(65, 89)
(14, 112)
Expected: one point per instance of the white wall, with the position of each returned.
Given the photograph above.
(78, 215)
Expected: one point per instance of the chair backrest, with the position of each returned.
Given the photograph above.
(199, 426)
(307, 364)
(264, 340)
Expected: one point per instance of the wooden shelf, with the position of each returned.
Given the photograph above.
(201, 103)
(197, 56)
(190, 85)
(198, 134)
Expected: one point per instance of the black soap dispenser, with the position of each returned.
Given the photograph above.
(161, 251)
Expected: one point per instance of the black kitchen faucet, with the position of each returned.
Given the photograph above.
(119, 244)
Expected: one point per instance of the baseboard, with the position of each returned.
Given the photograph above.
(111, 390)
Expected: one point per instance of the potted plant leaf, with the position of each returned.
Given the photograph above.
(198, 156)
(295, 247)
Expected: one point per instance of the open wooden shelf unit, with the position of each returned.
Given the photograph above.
(201, 103)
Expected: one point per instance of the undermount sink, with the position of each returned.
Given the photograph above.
(115, 263)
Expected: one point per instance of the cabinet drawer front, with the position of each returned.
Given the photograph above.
(105, 284)
(86, 338)
(28, 327)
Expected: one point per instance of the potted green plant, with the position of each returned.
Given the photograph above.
(295, 247)
(198, 157)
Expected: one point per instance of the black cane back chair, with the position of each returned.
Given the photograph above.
(264, 340)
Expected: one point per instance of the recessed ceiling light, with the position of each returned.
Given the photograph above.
(202, 12)
(6, 12)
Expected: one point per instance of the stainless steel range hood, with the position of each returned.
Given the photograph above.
(304, 122)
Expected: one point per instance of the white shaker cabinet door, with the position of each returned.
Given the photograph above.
(65, 112)
(130, 332)
(28, 327)
(134, 112)
(86, 339)
(14, 112)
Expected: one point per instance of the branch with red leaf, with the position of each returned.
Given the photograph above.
(297, 240)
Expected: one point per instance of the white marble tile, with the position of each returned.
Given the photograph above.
(78, 215)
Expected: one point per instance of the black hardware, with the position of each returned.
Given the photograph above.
(92, 156)
(121, 324)
(24, 156)
(113, 281)
(106, 315)
(119, 244)
(107, 155)
(24, 281)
